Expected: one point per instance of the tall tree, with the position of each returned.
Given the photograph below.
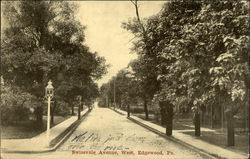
(43, 40)
(147, 61)
(198, 52)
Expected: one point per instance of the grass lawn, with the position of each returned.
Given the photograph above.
(241, 141)
(142, 116)
(178, 124)
(27, 129)
(181, 127)
(217, 137)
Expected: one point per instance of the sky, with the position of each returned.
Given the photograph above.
(104, 33)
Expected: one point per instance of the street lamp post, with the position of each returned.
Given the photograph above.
(49, 92)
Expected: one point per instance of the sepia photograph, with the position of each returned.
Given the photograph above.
(132, 79)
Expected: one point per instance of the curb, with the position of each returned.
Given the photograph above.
(56, 142)
(201, 152)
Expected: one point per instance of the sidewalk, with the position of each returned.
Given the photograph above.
(190, 141)
(39, 143)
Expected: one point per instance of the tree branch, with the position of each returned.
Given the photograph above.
(144, 33)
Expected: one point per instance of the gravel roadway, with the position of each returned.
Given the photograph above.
(105, 134)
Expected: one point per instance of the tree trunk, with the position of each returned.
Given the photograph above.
(197, 123)
(72, 109)
(163, 112)
(146, 108)
(79, 111)
(230, 128)
(128, 110)
(169, 121)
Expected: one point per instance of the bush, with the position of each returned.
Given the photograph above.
(62, 108)
(15, 105)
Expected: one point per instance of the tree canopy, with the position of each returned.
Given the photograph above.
(193, 53)
(42, 40)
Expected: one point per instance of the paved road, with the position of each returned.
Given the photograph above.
(106, 134)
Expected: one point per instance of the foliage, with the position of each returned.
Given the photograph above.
(126, 89)
(197, 50)
(16, 105)
(42, 40)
